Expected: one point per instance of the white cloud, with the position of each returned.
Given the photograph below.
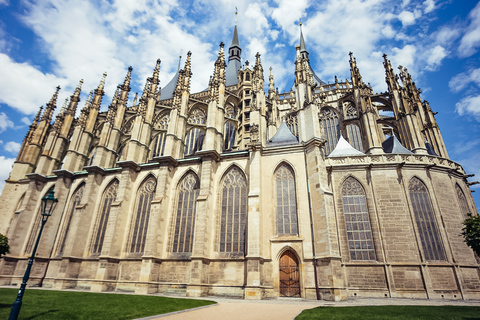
(407, 18)
(4, 2)
(23, 87)
(26, 120)
(469, 105)
(12, 146)
(435, 57)
(429, 5)
(5, 123)
(462, 80)
(6, 165)
(471, 40)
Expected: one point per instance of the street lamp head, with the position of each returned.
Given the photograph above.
(48, 203)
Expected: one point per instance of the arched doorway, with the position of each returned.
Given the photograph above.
(289, 275)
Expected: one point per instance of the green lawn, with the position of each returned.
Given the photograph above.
(46, 304)
(392, 313)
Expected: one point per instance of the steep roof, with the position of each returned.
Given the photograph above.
(167, 91)
(392, 145)
(283, 137)
(231, 73)
(343, 149)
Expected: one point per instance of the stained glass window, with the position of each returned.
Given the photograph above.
(234, 212)
(331, 129)
(74, 202)
(357, 221)
(189, 189)
(425, 218)
(195, 136)
(159, 144)
(109, 197)
(142, 215)
(355, 137)
(286, 201)
(229, 136)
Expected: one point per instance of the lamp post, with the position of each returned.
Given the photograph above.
(47, 207)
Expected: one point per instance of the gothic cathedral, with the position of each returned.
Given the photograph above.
(327, 191)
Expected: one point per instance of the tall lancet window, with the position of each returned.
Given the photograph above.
(194, 138)
(286, 201)
(35, 228)
(234, 212)
(229, 128)
(462, 201)
(158, 144)
(138, 232)
(188, 191)
(357, 221)
(109, 197)
(355, 136)
(426, 223)
(331, 129)
(74, 202)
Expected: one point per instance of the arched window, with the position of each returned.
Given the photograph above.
(189, 188)
(35, 228)
(109, 197)
(234, 212)
(462, 201)
(193, 141)
(74, 202)
(292, 123)
(355, 137)
(425, 218)
(247, 76)
(229, 136)
(286, 201)
(194, 137)
(357, 221)
(138, 232)
(158, 146)
(331, 129)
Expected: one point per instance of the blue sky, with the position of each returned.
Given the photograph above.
(58, 42)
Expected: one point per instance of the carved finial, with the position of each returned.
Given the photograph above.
(51, 105)
(128, 78)
(37, 117)
(135, 99)
(102, 82)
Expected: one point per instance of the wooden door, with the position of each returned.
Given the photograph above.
(289, 275)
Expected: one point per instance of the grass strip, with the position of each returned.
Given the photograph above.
(392, 313)
(46, 304)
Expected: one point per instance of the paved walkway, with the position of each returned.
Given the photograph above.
(280, 309)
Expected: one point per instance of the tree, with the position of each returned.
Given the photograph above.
(4, 247)
(471, 232)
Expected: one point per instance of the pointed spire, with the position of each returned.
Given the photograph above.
(74, 99)
(188, 71)
(51, 105)
(234, 51)
(390, 77)
(37, 117)
(355, 73)
(112, 109)
(271, 84)
(60, 117)
(303, 48)
(82, 119)
(156, 72)
(128, 78)
(101, 85)
(179, 60)
(135, 99)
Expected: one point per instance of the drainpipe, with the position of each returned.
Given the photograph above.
(311, 226)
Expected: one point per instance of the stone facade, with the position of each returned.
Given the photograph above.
(210, 193)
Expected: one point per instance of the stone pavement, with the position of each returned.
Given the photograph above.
(283, 308)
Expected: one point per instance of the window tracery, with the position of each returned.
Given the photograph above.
(142, 215)
(188, 191)
(425, 219)
(234, 212)
(291, 121)
(355, 136)
(109, 197)
(197, 116)
(331, 129)
(357, 221)
(286, 201)
(350, 110)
